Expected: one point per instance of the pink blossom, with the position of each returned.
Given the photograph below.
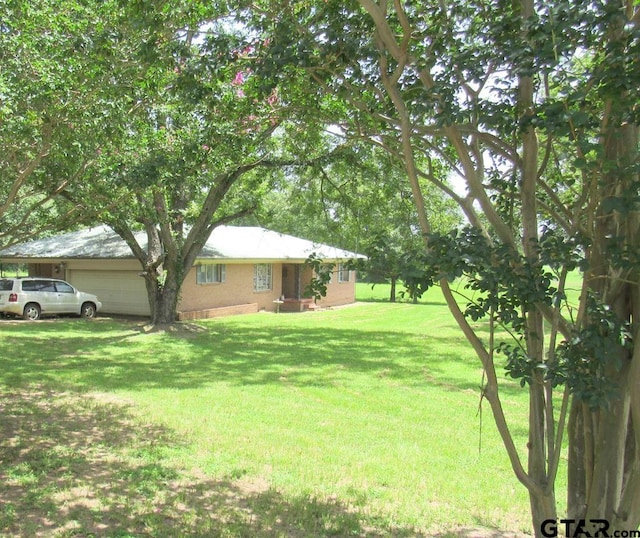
(239, 79)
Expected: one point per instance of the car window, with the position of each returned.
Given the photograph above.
(63, 287)
(38, 285)
(6, 285)
(29, 285)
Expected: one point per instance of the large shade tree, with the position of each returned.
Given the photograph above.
(200, 135)
(535, 106)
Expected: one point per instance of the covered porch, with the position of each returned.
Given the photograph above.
(295, 277)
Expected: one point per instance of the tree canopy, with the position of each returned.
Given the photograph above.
(56, 108)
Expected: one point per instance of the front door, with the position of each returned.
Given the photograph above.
(291, 280)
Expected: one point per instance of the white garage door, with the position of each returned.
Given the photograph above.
(121, 292)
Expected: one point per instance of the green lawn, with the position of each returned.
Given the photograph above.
(358, 421)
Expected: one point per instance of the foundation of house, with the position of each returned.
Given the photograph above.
(234, 310)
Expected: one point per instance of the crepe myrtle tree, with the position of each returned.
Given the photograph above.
(535, 107)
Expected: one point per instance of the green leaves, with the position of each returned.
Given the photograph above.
(505, 284)
(558, 251)
(507, 287)
(322, 272)
(589, 361)
(519, 366)
(57, 109)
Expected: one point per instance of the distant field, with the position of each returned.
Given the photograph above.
(381, 292)
(355, 421)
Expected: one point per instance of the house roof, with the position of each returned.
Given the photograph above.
(225, 243)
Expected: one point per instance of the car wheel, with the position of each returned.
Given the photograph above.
(88, 311)
(31, 312)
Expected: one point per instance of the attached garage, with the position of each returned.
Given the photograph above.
(121, 292)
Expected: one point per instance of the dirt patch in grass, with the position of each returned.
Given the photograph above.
(179, 328)
(82, 465)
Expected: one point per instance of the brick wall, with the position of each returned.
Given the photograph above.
(237, 289)
(339, 293)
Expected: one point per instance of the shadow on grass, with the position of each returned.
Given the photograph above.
(77, 466)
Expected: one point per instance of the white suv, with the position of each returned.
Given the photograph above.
(35, 297)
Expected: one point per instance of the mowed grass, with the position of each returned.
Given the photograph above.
(359, 421)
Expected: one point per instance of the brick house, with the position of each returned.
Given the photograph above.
(240, 269)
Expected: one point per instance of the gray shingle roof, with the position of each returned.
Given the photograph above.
(226, 242)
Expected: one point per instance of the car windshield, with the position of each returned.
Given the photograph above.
(6, 285)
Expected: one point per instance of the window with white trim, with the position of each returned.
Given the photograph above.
(343, 273)
(262, 277)
(211, 273)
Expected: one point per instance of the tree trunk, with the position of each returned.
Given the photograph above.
(163, 299)
(604, 471)
(543, 508)
(542, 498)
(542, 501)
(628, 514)
(392, 293)
(609, 461)
(580, 458)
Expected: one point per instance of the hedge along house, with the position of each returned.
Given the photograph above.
(239, 270)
